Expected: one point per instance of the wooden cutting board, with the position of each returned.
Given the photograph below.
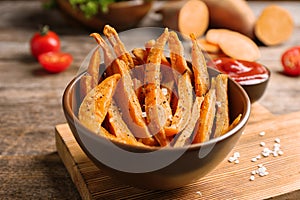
(227, 181)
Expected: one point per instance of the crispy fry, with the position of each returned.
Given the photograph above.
(201, 76)
(85, 85)
(112, 137)
(140, 54)
(129, 104)
(185, 136)
(91, 79)
(184, 105)
(222, 114)
(178, 62)
(155, 114)
(235, 122)
(118, 45)
(109, 56)
(118, 127)
(164, 60)
(156, 106)
(93, 67)
(207, 115)
(94, 106)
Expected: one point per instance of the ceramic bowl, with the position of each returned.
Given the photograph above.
(121, 15)
(256, 91)
(157, 168)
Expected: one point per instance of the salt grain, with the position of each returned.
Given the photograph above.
(231, 159)
(199, 193)
(234, 158)
(252, 178)
(262, 144)
(277, 140)
(236, 155)
(262, 133)
(164, 91)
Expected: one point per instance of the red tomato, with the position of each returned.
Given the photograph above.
(290, 60)
(44, 41)
(55, 62)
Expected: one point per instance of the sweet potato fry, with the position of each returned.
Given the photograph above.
(178, 62)
(118, 127)
(156, 107)
(128, 102)
(201, 76)
(91, 78)
(184, 105)
(93, 67)
(94, 106)
(164, 61)
(185, 136)
(112, 137)
(235, 122)
(207, 115)
(140, 54)
(109, 56)
(85, 85)
(118, 45)
(222, 114)
(155, 114)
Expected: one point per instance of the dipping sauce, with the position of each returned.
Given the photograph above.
(243, 72)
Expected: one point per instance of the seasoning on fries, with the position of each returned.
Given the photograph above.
(146, 99)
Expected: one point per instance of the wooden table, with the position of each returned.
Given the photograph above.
(30, 98)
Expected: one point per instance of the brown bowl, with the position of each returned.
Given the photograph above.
(121, 15)
(157, 168)
(256, 91)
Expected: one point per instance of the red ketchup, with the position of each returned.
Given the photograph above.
(243, 72)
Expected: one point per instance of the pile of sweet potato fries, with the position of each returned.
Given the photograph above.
(145, 98)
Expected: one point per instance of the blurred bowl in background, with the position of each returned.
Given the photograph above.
(120, 15)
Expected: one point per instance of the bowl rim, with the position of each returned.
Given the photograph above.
(71, 115)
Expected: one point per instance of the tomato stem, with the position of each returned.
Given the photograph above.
(44, 30)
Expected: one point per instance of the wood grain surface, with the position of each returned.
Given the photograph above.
(30, 98)
(227, 181)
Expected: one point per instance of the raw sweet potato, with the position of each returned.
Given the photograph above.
(187, 17)
(235, 15)
(274, 25)
(208, 47)
(234, 44)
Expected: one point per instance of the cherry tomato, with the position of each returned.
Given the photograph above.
(55, 62)
(290, 60)
(44, 41)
